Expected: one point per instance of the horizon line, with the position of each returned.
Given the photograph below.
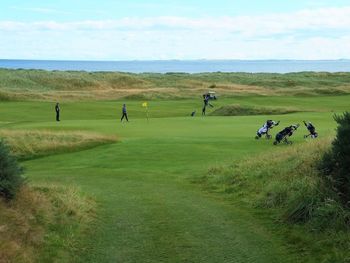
(167, 60)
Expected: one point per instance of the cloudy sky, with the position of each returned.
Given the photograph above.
(182, 29)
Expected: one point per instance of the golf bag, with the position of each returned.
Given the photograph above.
(264, 130)
(285, 134)
(312, 130)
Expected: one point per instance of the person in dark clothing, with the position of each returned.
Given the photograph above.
(206, 99)
(311, 128)
(125, 114)
(57, 109)
(285, 133)
(203, 110)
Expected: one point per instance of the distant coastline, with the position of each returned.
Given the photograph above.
(185, 66)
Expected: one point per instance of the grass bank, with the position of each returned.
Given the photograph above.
(27, 144)
(43, 224)
(285, 184)
(245, 110)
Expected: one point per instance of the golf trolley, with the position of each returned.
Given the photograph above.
(267, 136)
(312, 130)
(284, 140)
(210, 95)
(264, 130)
(282, 136)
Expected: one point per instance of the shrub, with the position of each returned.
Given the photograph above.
(10, 173)
(335, 164)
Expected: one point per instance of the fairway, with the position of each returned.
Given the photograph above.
(147, 208)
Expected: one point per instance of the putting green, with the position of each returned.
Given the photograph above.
(148, 210)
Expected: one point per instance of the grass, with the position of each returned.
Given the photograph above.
(238, 110)
(27, 144)
(147, 208)
(286, 185)
(79, 85)
(31, 226)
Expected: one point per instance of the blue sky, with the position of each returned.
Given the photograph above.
(222, 29)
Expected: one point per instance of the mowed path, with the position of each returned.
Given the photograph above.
(148, 211)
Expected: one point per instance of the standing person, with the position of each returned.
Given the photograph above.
(125, 114)
(57, 109)
(206, 102)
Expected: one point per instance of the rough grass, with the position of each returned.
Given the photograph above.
(33, 223)
(33, 143)
(79, 85)
(287, 184)
(241, 110)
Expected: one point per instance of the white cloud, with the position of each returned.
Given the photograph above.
(328, 18)
(42, 10)
(241, 37)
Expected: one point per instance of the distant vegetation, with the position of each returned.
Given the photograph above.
(239, 110)
(80, 85)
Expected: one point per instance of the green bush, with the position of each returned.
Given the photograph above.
(335, 164)
(10, 173)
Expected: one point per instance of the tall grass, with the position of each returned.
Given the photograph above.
(288, 179)
(31, 143)
(34, 223)
(79, 85)
(239, 110)
(286, 184)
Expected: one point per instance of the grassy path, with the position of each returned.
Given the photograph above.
(150, 216)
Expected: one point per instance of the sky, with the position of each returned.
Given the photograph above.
(182, 29)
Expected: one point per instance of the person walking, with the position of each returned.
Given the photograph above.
(206, 102)
(57, 109)
(125, 114)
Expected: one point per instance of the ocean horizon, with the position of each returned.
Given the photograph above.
(182, 66)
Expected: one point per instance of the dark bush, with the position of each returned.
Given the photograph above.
(335, 164)
(10, 173)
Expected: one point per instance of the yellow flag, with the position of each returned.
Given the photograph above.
(144, 104)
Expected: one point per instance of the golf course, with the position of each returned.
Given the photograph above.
(165, 186)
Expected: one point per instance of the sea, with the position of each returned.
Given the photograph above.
(185, 66)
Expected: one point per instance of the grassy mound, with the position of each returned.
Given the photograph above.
(79, 85)
(240, 110)
(30, 144)
(288, 185)
(43, 223)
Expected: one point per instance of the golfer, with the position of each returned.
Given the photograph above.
(57, 109)
(125, 114)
